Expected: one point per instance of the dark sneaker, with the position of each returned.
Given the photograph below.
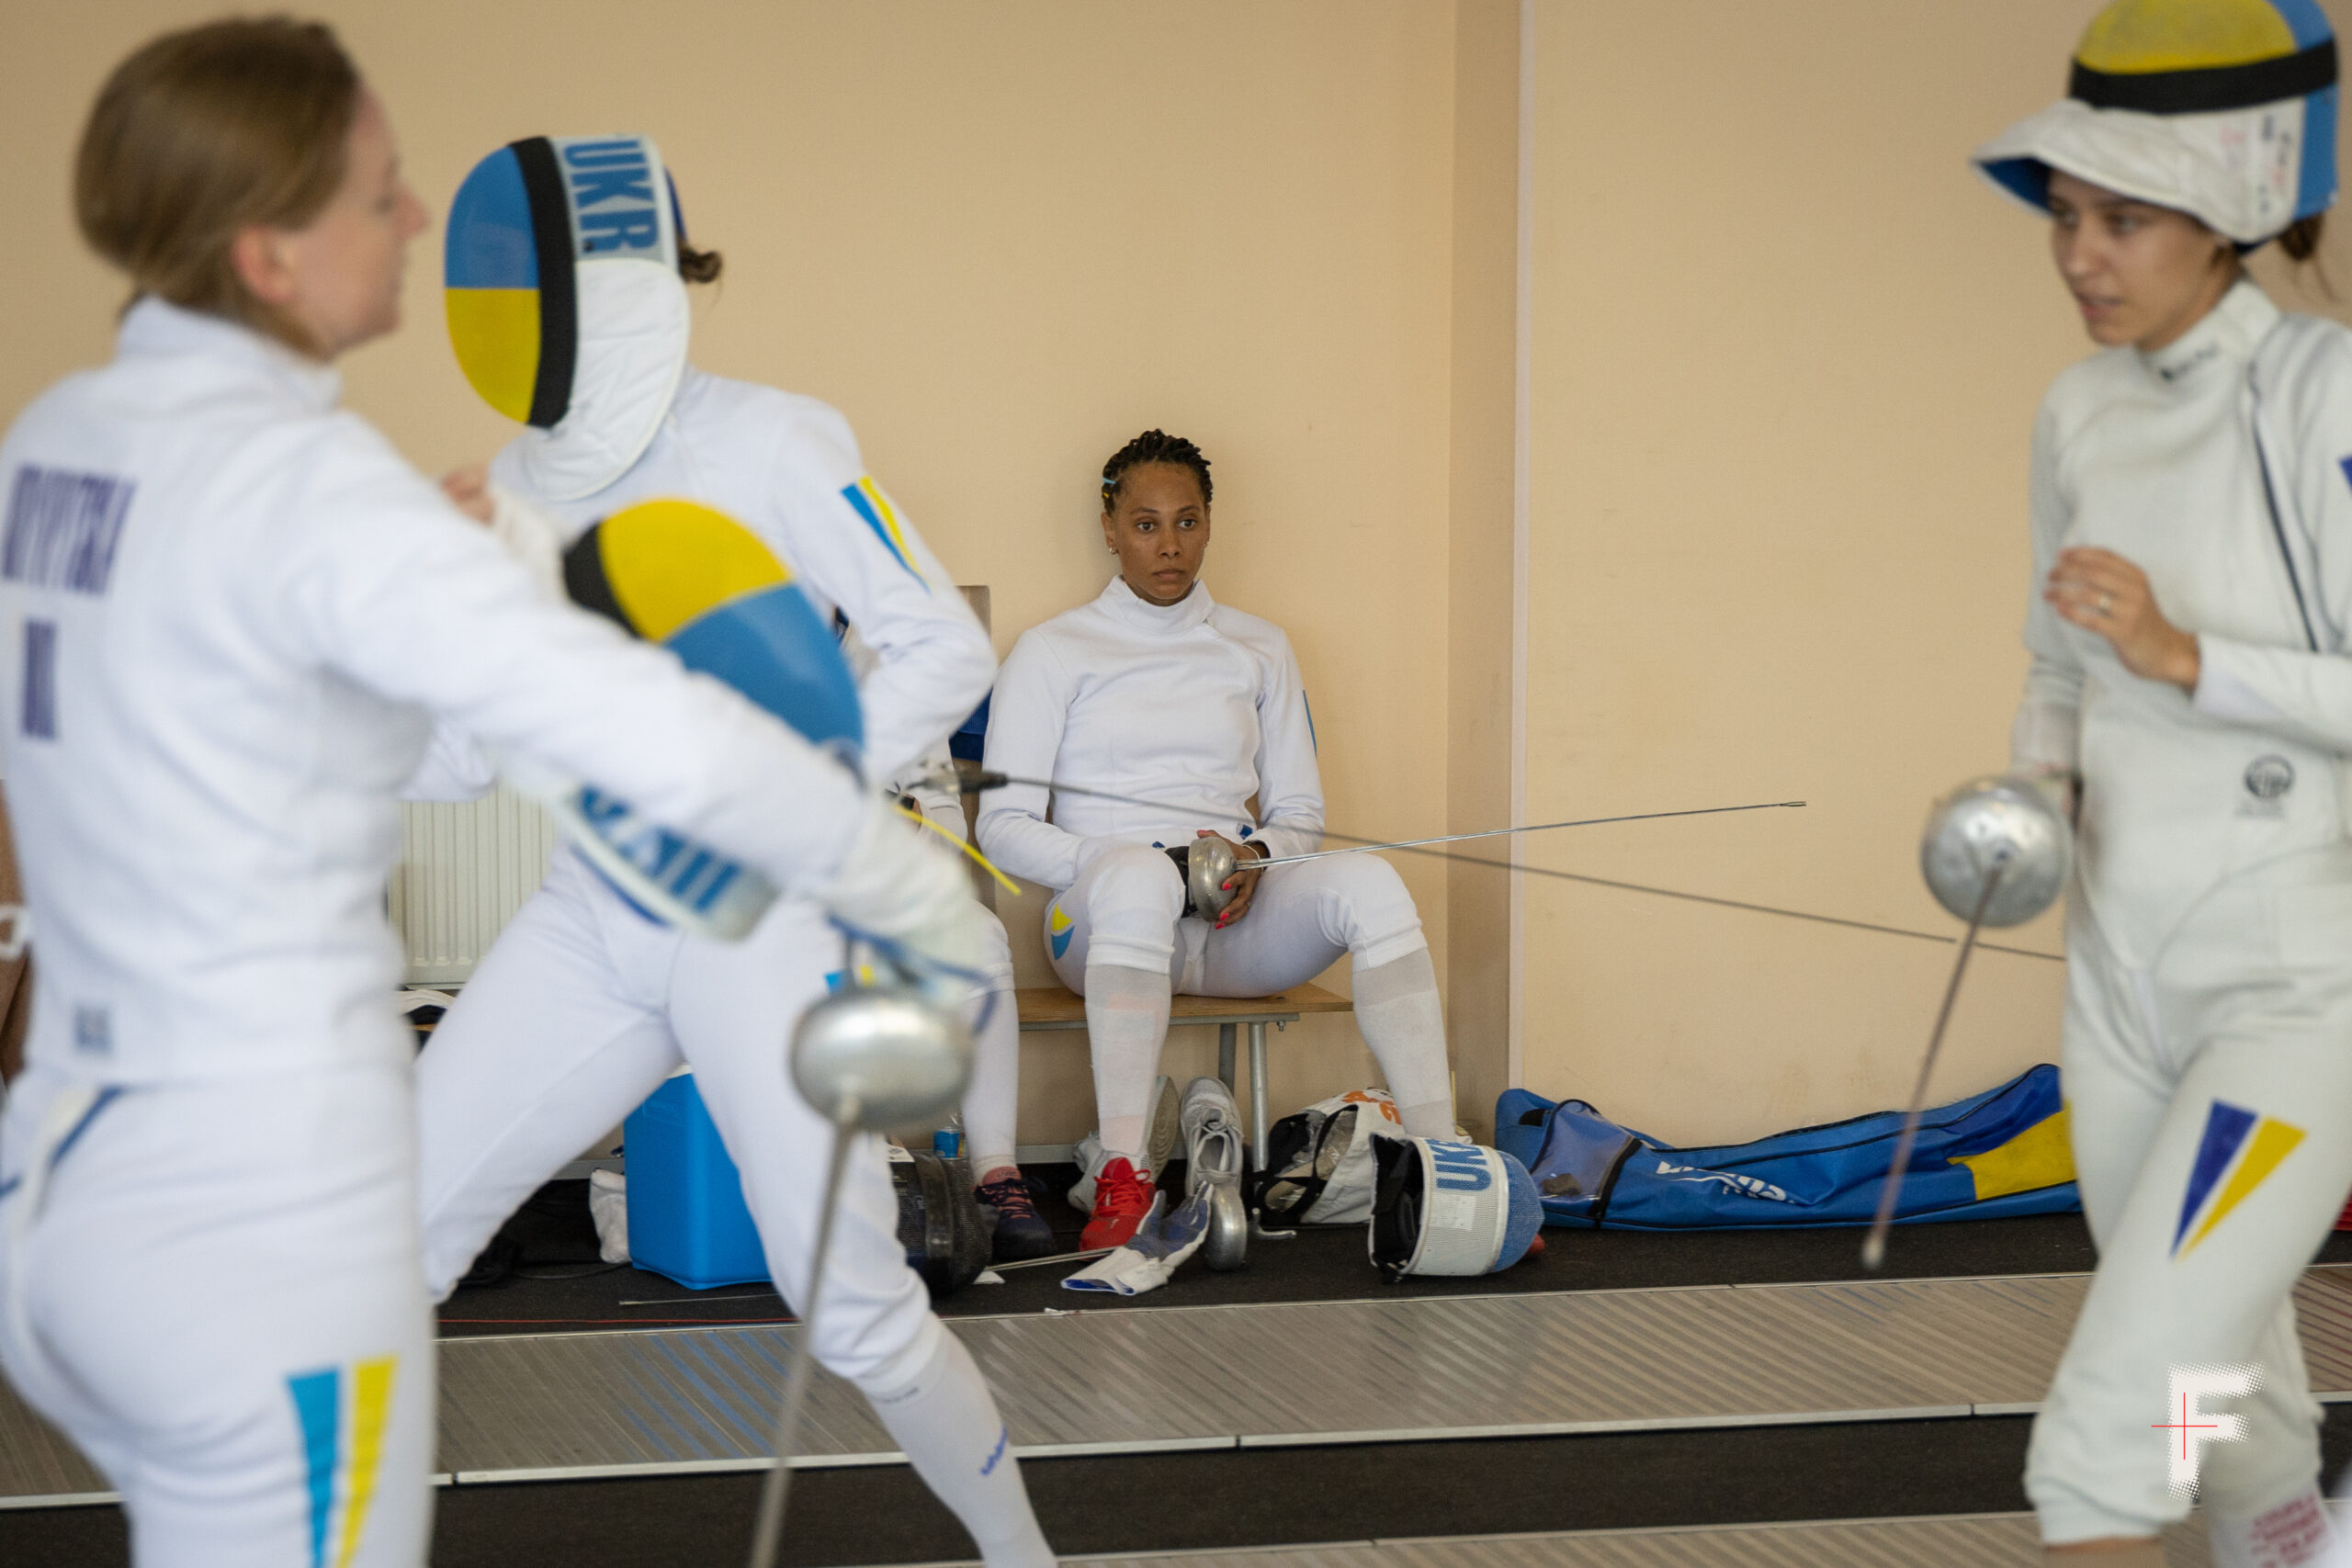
(1021, 1231)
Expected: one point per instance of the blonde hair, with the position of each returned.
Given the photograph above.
(203, 133)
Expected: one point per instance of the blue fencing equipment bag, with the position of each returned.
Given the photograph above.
(2002, 1152)
(1441, 1207)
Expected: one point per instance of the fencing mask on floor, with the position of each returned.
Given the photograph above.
(1448, 1208)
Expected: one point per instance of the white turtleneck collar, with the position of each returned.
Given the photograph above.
(2228, 334)
(154, 326)
(1128, 607)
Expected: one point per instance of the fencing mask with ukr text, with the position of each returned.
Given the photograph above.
(564, 302)
(1447, 1208)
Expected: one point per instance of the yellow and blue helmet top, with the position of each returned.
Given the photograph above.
(522, 223)
(2224, 110)
(699, 584)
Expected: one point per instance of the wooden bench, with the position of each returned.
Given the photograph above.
(1053, 1007)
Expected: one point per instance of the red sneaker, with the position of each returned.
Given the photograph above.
(1122, 1198)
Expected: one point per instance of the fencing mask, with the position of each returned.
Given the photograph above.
(565, 305)
(693, 580)
(1447, 1208)
(2224, 109)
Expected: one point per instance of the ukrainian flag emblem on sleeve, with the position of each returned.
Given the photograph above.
(866, 499)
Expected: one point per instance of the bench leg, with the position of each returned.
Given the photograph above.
(1258, 1123)
(1224, 1053)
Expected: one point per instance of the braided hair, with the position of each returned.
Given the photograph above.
(1154, 446)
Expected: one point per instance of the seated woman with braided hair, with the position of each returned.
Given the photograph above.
(1156, 693)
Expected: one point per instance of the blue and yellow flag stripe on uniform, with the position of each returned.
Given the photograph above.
(865, 498)
(340, 1458)
(1062, 926)
(2242, 1145)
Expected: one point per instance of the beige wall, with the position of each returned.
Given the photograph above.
(1003, 239)
(1788, 348)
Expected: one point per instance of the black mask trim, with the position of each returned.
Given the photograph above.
(558, 286)
(2210, 90)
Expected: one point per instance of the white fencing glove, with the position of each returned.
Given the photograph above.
(903, 888)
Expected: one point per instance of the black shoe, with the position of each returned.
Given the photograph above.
(496, 1266)
(1021, 1231)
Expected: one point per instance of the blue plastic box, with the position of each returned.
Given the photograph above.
(687, 1220)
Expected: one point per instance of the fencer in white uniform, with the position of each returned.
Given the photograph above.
(1155, 692)
(228, 612)
(2192, 543)
(583, 1005)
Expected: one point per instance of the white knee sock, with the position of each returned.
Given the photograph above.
(1397, 1009)
(2298, 1531)
(948, 1425)
(993, 1102)
(1126, 1020)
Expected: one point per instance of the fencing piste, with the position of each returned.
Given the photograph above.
(947, 1426)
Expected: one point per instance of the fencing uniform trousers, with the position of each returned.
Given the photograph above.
(580, 1009)
(2209, 1099)
(212, 1289)
(1126, 911)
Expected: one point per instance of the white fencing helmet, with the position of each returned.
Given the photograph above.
(1448, 1208)
(565, 305)
(2224, 109)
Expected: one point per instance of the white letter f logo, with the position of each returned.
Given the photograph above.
(2193, 1425)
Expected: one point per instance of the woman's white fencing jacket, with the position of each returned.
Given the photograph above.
(2222, 466)
(1194, 705)
(228, 613)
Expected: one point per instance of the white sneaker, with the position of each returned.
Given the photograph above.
(1088, 1153)
(1211, 1122)
(1158, 1143)
(1160, 1131)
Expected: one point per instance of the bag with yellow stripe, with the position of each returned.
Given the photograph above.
(1998, 1153)
(693, 580)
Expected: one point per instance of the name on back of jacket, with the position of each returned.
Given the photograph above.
(62, 528)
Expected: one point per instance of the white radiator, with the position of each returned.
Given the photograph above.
(465, 871)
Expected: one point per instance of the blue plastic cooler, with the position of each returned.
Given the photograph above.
(687, 1220)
